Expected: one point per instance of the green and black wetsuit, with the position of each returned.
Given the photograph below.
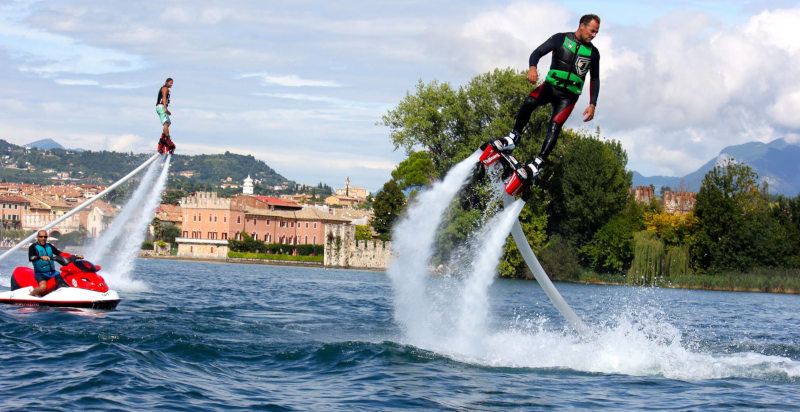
(572, 60)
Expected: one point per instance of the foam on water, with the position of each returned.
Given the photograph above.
(450, 314)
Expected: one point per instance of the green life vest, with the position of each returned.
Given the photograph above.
(570, 64)
(44, 266)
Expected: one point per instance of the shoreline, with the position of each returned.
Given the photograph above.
(585, 282)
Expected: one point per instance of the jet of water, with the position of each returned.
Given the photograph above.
(108, 241)
(412, 240)
(125, 256)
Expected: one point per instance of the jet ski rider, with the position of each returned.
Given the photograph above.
(41, 254)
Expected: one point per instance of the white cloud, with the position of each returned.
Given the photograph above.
(291, 80)
(76, 82)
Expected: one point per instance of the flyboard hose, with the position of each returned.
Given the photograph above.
(540, 275)
(81, 206)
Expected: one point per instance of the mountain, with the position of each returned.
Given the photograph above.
(45, 144)
(775, 162)
(189, 173)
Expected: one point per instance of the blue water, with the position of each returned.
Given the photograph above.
(213, 336)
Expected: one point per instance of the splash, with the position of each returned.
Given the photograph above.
(119, 246)
(412, 240)
(487, 248)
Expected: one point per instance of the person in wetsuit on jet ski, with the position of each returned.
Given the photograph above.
(574, 56)
(41, 254)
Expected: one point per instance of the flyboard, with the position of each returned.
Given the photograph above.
(516, 185)
(83, 287)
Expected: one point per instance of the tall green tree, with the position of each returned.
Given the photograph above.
(416, 171)
(587, 185)
(736, 229)
(388, 206)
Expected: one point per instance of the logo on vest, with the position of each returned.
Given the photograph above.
(582, 65)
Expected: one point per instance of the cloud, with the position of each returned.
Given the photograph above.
(48, 54)
(75, 82)
(289, 80)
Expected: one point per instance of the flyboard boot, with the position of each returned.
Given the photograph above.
(501, 149)
(165, 145)
(519, 184)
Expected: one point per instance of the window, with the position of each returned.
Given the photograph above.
(306, 239)
(315, 225)
(185, 233)
(306, 225)
(238, 219)
(315, 240)
(225, 219)
(267, 222)
(224, 235)
(267, 238)
(292, 224)
(215, 218)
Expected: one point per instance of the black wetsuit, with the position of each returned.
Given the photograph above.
(572, 60)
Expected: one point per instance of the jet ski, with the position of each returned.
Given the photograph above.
(78, 286)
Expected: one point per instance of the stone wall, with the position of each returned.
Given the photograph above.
(344, 251)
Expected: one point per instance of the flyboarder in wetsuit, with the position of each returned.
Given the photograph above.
(162, 109)
(573, 57)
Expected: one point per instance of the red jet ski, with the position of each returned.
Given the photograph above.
(78, 286)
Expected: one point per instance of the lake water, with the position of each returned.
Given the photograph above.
(213, 336)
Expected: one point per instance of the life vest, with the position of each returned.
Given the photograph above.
(570, 64)
(41, 265)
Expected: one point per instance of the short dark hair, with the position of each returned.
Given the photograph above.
(587, 18)
(168, 80)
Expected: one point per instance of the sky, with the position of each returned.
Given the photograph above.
(302, 84)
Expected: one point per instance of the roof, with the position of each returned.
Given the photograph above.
(303, 214)
(13, 199)
(274, 201)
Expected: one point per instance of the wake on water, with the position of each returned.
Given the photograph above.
(450, 314)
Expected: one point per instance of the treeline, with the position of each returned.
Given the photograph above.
(581, 218)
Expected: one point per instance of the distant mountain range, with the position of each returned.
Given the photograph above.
(47, 144)
(777, 162)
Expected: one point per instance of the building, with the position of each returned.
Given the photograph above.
(204, 215)
(13, 209)
(290, 227)
(347, 201)
(247, 187)
(677, 202)
(644, 194)
(97, 218)
(207, 222)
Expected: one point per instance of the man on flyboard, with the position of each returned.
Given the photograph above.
(162, 109)
(573, 57)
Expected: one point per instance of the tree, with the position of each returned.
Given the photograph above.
(388, 205)
(416, 171)
(587, 185)
(363, 232)
(736, 228)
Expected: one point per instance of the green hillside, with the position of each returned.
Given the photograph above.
(188, 173)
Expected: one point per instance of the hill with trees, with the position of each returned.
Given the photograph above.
(213, 172)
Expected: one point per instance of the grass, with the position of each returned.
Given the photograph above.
(265, 256)
(756, 280)
(774, 280)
